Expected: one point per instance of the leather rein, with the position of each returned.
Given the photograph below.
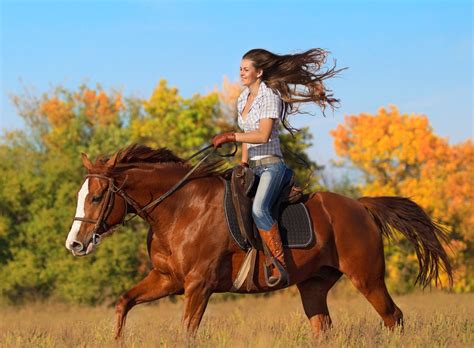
(113, 189)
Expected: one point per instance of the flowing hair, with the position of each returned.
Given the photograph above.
(298, 78)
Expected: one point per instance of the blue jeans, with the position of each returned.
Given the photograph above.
(273, 177)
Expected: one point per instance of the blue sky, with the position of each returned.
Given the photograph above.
(414, 54)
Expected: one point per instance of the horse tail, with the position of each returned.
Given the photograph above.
(401, 214)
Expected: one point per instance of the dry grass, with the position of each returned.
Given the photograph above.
(431, 320)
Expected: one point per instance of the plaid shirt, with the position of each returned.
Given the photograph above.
(266, 104)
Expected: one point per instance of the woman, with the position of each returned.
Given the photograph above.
(273, 84)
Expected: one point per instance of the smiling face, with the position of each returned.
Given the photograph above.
(248, 73)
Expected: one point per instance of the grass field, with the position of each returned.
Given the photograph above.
(431, 320)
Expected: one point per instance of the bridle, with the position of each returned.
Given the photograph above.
(113, 189)
(106, 207)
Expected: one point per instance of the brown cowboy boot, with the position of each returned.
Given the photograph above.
(273, 242)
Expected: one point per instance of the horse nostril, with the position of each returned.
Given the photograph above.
(76, 246)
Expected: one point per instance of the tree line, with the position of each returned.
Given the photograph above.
(41, 172)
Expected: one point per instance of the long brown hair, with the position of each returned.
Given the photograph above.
(298, 78)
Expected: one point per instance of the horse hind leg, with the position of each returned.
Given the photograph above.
(313, 294)
(367, 274)
(377, 294)
(361, 255)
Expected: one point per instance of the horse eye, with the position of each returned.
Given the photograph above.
(96, 199)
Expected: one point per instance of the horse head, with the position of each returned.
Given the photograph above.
(102, 202)
(101, 206)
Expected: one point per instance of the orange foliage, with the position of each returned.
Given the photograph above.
(97, 106)
(100, 108)
(400, 155)
(58, 112)
(63, 112)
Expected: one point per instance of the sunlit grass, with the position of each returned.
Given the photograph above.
(431, 320)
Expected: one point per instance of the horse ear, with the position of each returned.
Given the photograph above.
(112, 161)
(86, 162)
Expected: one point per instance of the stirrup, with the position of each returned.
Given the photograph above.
(283, 274)
(268, 272)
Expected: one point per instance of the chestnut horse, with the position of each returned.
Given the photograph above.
(192, 252)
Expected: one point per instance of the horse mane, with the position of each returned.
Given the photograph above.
(144, 154)
(137, 154)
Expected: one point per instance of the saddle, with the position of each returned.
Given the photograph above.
(243, 187)
(292, 216)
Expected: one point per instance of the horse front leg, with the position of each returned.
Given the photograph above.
(153, 287)
(313, 293)
(196, 296)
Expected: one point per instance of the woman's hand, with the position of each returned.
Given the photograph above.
(223, 138)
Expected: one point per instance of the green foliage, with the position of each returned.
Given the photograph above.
(105, 274)
(294, 150)
(345, 186)
(41, 172)
(180, 124)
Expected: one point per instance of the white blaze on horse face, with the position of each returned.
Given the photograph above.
(76, 225)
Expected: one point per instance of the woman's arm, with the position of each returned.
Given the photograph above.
(257, 136)
(245, 153)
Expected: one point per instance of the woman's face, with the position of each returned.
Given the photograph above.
(248, 73)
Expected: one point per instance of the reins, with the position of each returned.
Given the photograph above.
(112, 189)
(179, 183)
(106, 208)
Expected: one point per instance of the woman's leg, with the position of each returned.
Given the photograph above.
(272, 179)
(269, 188)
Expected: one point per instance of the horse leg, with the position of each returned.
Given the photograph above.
(313, 294)
(377, 294)
(367, 273)
(196, 297)
(153, 287)
(360, 253)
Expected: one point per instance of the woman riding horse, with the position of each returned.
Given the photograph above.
(267, 99)
(189, 244)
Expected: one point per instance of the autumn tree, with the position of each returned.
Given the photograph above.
(181, 124)
(398, 154)
(41, 173)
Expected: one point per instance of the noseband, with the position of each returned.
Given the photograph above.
(106, 207)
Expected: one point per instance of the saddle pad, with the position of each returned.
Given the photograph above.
(294, 224)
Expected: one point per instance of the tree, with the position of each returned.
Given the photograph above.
(400, 155)
(41, 173)
(181, 124)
